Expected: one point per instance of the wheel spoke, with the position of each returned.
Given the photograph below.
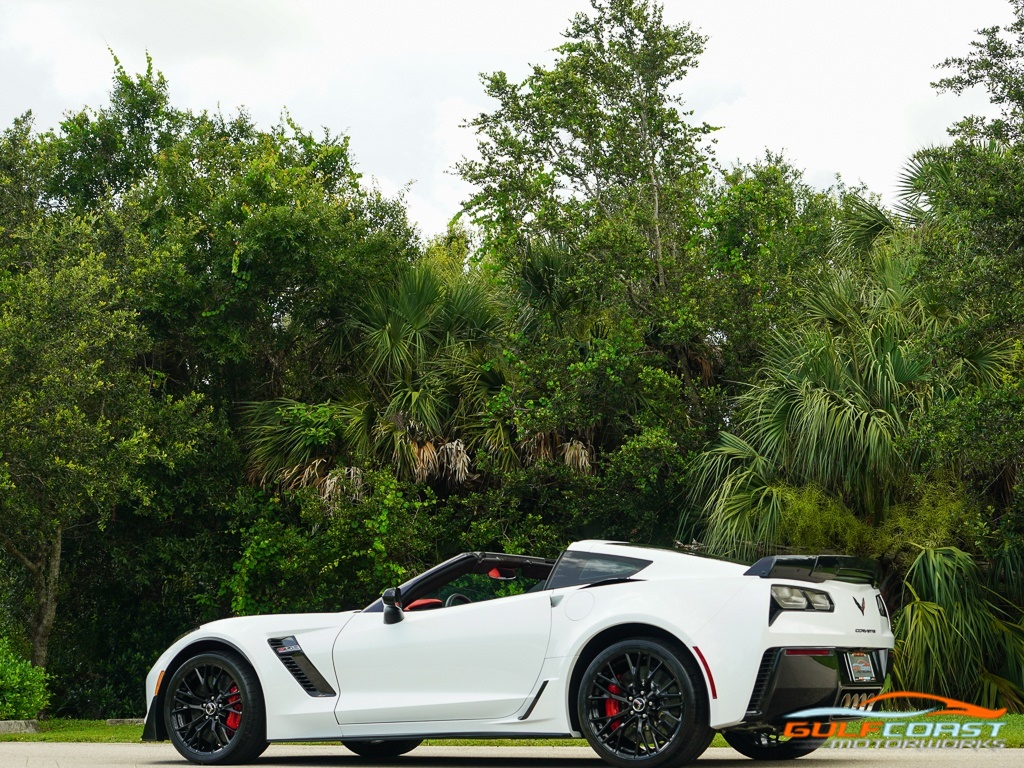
(183, 695)
(619, 733)
(610, 695)
(600, 732)
(632, 670)
(643, 662)
(222, 734)
(663, 735)
(651, 729)
(608, 680)
(651, 672)
(191, 734)
(218, 676)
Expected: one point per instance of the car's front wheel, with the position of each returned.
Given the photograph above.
(767, 745)
(642, 702)
(382, 749)
(214, 710)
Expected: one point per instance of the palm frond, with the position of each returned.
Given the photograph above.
(286, 437)
(862, 226)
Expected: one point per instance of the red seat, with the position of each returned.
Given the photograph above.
(423, 604)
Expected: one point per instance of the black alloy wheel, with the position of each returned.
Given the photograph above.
(769, 745)
(643, 702)
(214, 710)
(382, 749)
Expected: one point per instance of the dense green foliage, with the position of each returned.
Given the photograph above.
(23, 693)
(233, 378)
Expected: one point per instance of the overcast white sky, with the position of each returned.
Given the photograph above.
(842, 87)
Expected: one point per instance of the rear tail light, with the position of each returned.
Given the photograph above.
(801, 599)
(819, 601)
(785, 598)
(790, 598)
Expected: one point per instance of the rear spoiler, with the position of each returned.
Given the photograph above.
(817, 568)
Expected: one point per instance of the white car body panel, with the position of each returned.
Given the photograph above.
(446, 672)
(477, 668)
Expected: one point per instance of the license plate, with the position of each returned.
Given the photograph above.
(861, 668)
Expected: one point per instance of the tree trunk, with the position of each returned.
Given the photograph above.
(47, 579)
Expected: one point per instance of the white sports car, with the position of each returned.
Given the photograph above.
(645, 652)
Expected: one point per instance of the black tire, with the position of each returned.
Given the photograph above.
(214, 710)
(767, 745)
(382, 749)
(643, 702)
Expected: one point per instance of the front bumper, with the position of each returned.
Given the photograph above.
(792, 679)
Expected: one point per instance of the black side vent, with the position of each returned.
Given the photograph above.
(295, 661)
(764, 675)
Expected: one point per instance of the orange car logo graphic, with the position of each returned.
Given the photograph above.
(947, 706)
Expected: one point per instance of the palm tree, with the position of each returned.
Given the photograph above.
(957, 636)
(832, 401)
(420, 350)
(921, 201)
(425, 354)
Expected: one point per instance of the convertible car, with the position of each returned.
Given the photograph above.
(644, 652)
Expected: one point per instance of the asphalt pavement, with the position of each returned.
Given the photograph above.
(47, 755)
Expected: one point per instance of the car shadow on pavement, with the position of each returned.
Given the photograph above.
(466, 762)
(434, 762)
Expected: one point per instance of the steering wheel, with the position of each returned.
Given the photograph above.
(456, 598)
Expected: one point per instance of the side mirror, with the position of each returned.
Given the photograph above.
(392, 599)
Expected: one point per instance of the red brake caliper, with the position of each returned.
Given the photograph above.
(235, 716)
(613, 707)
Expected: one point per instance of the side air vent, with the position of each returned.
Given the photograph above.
(287, 649)
(764, 675)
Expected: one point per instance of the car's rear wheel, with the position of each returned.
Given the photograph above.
(382, 749)
(642, 701)
(214, 710)
(768, 745)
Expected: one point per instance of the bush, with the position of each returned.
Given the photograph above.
(23, 691)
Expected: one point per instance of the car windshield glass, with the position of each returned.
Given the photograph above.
(487, 582)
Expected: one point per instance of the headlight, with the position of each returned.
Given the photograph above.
(797, 599)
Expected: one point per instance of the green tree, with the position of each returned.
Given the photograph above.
(74, 412)
(995, 62)
(237, 244)
(232, 252)
(627, 257)
(595, 149)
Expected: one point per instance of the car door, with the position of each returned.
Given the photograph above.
(477, 661)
